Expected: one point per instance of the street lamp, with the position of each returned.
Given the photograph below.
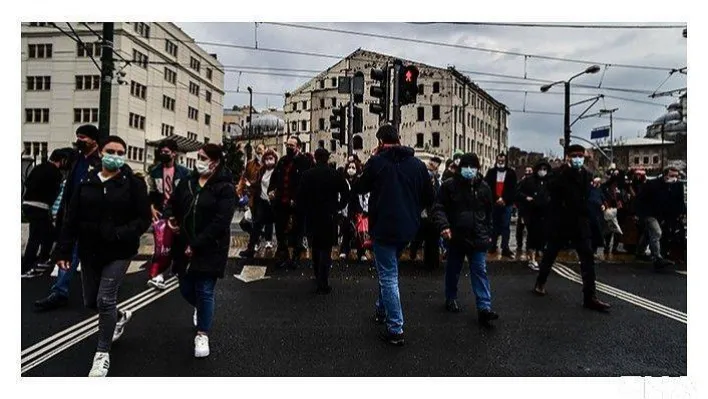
(250, 111)
(566, 83)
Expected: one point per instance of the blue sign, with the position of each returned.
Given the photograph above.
(600, 132)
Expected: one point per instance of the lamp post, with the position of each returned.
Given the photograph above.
(250, 122)
(566, 113)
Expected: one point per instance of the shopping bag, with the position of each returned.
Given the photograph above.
(362, 231)
(163, 242)
(611, 221)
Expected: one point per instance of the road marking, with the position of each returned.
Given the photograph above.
(50, 347)
(135, 266)
(644, 303)
(252, 273)
(684, 272)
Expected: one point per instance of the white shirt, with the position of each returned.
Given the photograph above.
(265, 182)
(501, 176)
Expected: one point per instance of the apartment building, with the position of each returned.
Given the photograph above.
(164, 86)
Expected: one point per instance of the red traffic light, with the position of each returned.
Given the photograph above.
(409, 76)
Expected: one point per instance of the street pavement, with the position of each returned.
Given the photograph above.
(278, 327)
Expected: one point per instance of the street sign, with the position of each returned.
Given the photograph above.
(600, 132)
(358, 87)
(343, 85)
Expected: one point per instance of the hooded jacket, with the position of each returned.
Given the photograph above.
(204, 215)
(400, 189)
(94, 164)
(535, 187)
(156, 186)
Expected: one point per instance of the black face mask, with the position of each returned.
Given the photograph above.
(81, 145)
(290, 151)
(164, 158)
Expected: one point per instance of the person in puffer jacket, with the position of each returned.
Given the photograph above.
(463, 215)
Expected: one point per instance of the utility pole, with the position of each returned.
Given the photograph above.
(104, 114)
(566, 120)
(350, 118)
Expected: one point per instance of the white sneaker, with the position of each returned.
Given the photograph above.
(158, 283)
(55, 271)
(363, 258)
(533, 265)
(101, 362)
(194, 317)
(269, 245)
(201, 346)
(78, 268)
(120, 325)
(342, 256)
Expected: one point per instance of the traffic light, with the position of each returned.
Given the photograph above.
(338, 121)
(408, 85)
(379, 92)
(358, 122)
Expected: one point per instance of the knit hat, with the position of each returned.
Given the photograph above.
(89, 131)
(469, 160)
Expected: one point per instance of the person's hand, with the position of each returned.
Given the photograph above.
(446, 234)
(156, 215)
(271, 195)
(501, 202)
(64, 264)
(529, 199)
(603, 208)
(292, 203)
(172, 224)
(188, 251)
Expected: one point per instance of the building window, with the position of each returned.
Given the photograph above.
(170, 75)
(207, 119)
(137, 121)
(321, 124)
(333, 145)
(192, 136)
(40, 51)
(207, 96)
(436, 139)
(322, 103)
(193, 113)
(322, 84)
(421, 89)
(655, 160)
(206, 140)
(194, 64)
(209, 73)
(334, 102)
(421, 114)
(85, 115)
(143, 29)
(171, 48)
(436, 87)
(293, 126)
(39, 83)
(37, 115)
(294, 106)
(140, 59)
(320, 144)
(636, 160)
(646, 160)
(88, 49)
(194, 88)
(419, 140)
(167, 130)
(138, 90)
(88, 82)
(168, 103)
(436, 112)
(357, 143)
(334, 82)
(304, 105)
(303, 125)
(34, 148)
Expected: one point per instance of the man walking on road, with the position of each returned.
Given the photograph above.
(400, 189)
(502, 180)
(87, 160)
(323, 192)
(569, 219)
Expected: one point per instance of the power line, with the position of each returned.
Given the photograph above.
(567, 26)
(460, 46)
(77, 39)
(561, 114)
(575, 93)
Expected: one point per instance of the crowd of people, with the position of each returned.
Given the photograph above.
(95, 208)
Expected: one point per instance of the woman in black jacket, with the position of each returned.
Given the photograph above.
(534, 197)
(107, 214)
(200, 211)
(357, 206)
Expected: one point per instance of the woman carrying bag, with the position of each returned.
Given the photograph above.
(200, 213)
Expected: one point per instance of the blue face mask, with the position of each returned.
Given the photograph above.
(112, 162)
(577, 162)
(468, 173)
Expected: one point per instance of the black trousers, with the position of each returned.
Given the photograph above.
(288, 227)
(536, 232)
(41, 235)
(263, 218)
(321, 262)
(429, 238)
(348, 235)
(521, 225)
(583, 246)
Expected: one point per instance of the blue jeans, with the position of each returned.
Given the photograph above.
(61, 286)
(501, 216)
(478, 275)
(389, 301)
(199, 292)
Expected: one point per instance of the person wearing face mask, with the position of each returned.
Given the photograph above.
(162, 180)
(200, 213)
(660, 206)
(502, 180)
(613, 195)
(569, 219)
(357, 206)
(108, 213)
(428, 236)
(263, 217)
(247, 182)
(533, 200)
(282, 192)
(86, 160)
(463, 215)
(521, 217)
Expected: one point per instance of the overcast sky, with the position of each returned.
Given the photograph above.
(652, 47)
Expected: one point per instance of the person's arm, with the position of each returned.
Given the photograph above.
(142, 215)
(428, 194)
(365, 183)
(154, 194)
(344, 194)
(275, 177)
(69, 228)
(242, 182)
(225, 208)
(510, 190)
(439, 212)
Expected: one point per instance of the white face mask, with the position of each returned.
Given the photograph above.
(202, 167)
(672, 179)
(351, 172)
(542, 173)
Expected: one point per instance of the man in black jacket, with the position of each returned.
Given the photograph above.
(322, 193)
(502, 180)
(41, 190)
(87, 160)
(428, 236)
(282, 192)
(569, 219)
(463, 215)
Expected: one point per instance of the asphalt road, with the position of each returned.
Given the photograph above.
(279, 327)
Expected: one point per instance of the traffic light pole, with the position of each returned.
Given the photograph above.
(104, 110)
(396, 95)
(350, 118)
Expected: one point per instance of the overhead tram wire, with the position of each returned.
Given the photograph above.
(566, 26)
(77, 39)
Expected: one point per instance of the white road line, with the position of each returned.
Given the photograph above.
(68, 344)
(625, 296)
(71, 332)
(684, 272)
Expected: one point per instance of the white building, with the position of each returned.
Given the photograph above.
(452, 113)
(171, 87)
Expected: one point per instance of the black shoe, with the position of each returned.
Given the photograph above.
(661, 264)
(53, 301)
(593, 303)
(247, 254)
(379, 318)
(392, 339)
(643, 258)
(485, 316)
(452, 306)
(539, 289)
(507, 253)
(323, 290)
